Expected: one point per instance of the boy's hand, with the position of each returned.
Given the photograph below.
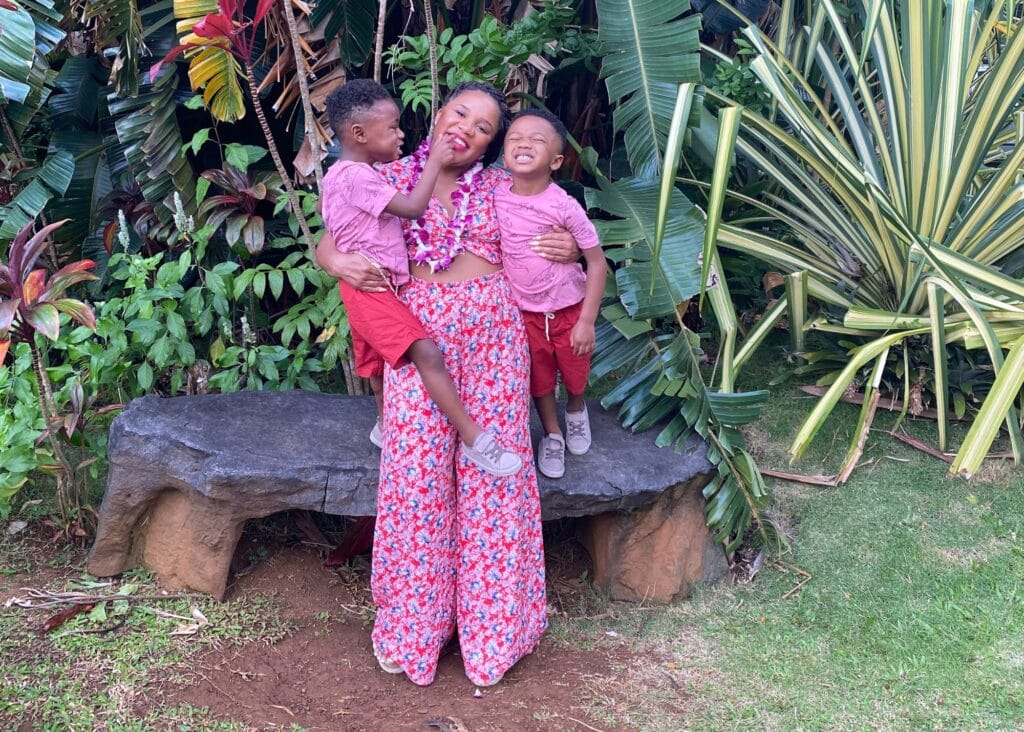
(442, 152)
(582, 339)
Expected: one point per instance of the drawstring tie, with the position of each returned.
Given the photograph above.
(548, 317)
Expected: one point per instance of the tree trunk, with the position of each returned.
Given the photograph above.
(272, 147)
(312, 138)
(68, 498)
(428, 13)
(378, 48)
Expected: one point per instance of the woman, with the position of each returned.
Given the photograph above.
(456, 548)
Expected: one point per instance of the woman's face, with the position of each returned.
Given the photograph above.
(471, 119)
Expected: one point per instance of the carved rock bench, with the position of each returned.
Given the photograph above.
(186, 474)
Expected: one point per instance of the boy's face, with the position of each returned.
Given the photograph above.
(378, 130)
(532, 147)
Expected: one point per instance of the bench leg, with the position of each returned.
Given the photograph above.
(656, 553)
(189, 540)
(186, 540)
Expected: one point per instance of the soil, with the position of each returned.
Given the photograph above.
(322, 675)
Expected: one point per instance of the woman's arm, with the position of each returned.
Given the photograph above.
(355, 269)
(558, 245)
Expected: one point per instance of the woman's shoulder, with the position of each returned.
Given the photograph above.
(493, 175)
(396, 170)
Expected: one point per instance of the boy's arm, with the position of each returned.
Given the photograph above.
(413, 205)
(583, 337)
(597, 273)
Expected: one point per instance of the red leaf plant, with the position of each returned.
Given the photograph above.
(229, 29)
(29, 301)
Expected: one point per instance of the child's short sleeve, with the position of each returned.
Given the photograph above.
(576, 221)
(365, 189)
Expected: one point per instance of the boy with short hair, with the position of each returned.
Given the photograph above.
(361, 211)
(559, 301)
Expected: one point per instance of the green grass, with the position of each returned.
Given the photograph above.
(73, 679)
(914, 617)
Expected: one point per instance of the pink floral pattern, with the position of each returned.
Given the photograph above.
(479, 233)
(456, 548)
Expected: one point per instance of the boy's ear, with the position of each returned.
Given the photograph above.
(356, 132)
(556, 162)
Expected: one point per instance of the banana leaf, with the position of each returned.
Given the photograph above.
(50, 179)
(649, 51)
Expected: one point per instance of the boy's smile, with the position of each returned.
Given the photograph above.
(532, 147)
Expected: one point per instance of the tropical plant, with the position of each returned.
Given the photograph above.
(490, 53)
(237, 206)
(655, 237)
(31, 303)
(895, 167)
(222, 48)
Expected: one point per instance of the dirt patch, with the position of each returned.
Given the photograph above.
(323, 675)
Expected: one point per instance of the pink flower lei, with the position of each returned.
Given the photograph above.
(439, 256)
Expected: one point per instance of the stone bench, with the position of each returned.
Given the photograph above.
(186, 473)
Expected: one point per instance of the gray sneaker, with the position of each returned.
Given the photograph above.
(577, 428)
(376, 436)
(551, 456)
(489, 454)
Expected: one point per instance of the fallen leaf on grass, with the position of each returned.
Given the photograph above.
(192, 628)
(64, 616)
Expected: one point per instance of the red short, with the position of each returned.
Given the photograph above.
(382, 329)
(551, 351)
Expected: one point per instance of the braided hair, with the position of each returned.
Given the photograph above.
(504, 115)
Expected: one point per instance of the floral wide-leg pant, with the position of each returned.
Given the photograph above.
(455, 547)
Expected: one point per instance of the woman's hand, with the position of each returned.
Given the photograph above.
(352, 267)
(558, 245)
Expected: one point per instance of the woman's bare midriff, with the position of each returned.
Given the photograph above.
(465, 266)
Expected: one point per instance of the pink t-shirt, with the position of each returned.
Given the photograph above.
(540, 285)
(354, 198)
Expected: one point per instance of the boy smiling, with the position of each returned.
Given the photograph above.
(559, 301)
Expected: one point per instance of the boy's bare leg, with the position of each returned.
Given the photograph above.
(430, 363)
(377, 386)
(574, 403)
(548, 413)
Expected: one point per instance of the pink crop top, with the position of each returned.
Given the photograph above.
(481, 237)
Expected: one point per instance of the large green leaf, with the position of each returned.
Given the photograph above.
(77, 90)
(147, 128)
(649, 51)
(630, 240)
(118, 25)
(89, 184)
(51, 179)
(17, 52)
(352, 22)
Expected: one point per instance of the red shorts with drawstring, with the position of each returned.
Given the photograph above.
(382, 328)
(551, 351)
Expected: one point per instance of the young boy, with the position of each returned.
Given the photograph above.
(360, 210)
(559, 302)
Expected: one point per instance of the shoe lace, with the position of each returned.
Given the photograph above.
(552, 450)
(493, 452)
(577, 429)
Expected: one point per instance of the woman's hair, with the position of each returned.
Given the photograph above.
(504, 115)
